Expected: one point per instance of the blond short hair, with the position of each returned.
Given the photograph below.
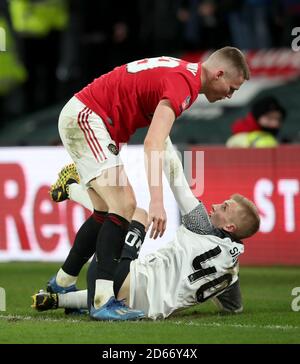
(234, 57)
(248, 220)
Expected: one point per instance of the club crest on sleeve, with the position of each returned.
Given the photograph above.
(185, 103)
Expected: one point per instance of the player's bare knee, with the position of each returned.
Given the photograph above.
(140, 215)
(125, 208)
(131, 207)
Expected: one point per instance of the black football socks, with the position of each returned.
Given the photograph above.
(133, 242)
(85, 243)
(109, 246)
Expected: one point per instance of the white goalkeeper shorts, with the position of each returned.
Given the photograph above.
(85, 137)
(148, 291)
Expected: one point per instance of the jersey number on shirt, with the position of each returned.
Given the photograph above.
(149, 63)
(218, 284)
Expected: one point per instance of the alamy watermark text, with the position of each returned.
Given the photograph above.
(296, 41)
(296, 301)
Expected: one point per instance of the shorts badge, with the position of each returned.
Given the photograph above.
(113, 149)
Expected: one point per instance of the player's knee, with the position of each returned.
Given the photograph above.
(125, 208)
(132, 205)
(140, 215)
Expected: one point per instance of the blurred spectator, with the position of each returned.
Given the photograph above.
(64, 43)
(124, 33)
(249, 22)
(39, 25)
(12, 71)
(253, 139)
(159, 27)
(101, 35)
(203, 24)
(260, 127)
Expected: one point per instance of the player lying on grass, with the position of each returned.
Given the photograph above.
(200, 263)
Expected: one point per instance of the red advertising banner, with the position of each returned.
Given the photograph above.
(33, 228)
(271, 179)
(270, 63)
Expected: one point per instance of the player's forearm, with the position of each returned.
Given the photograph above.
(178, 183)
(154, 146)
(154, 156)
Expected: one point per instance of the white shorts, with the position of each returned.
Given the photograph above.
(85, 137)
(150, 287)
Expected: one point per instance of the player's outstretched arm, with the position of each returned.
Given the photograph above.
(194, 214)
(174, 172)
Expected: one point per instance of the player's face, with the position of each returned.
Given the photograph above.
(223, 86)
(223, 214)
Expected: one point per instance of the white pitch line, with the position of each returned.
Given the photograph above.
(182, 323)
(245, 326)
(32, 318)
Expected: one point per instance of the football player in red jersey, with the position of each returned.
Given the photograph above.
(200, 263)
(97, 120)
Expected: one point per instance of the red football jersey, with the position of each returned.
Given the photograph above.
(127, 97)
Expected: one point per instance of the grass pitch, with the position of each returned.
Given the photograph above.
(267, 317)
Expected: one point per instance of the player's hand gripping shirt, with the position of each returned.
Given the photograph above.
(127, 97)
